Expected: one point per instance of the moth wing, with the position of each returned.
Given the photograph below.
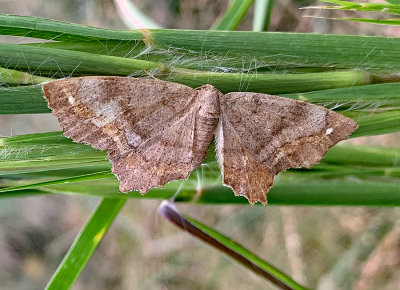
(154, 130)
(261, 135)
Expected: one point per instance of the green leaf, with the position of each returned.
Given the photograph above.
(220, 50)
(262, 14)
(393, 1)
(374, 107)
(355, 98)
(348, 175)
(92, 176)
(13, 77)
(85, 244)
(43, 28)
(62, 63)
(375, 123)
(22, 100)
(228, 247)
(299, 191)
(271, 50)
(394, 21)
(393, 9)
(233, 15)
(366, 6)
(29, 99)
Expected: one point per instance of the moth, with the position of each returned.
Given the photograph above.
(157, 131)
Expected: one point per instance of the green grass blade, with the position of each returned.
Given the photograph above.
(126, 49)
(23, 193)
(23, 100)
(374, 107)
(369, 7)
(348, 175)
(57, 62)
(393, 21)
(14, 77)
(233, 15)
(270, 50)
(93, 176)
(85, 244)
(62, 63)
(350, 154)
(43, 28)
(228, 247)
(225, 49)
(375, 96)
(43, 147)
(371, 123)
(271, 83)
(262, 14)
(45, 152)
(307, 191)
(12, 99)
(316, 192)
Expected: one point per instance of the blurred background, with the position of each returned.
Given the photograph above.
(141, 251)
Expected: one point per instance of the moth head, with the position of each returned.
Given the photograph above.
(208, 96)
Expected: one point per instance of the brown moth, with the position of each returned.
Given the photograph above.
(157, 131)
